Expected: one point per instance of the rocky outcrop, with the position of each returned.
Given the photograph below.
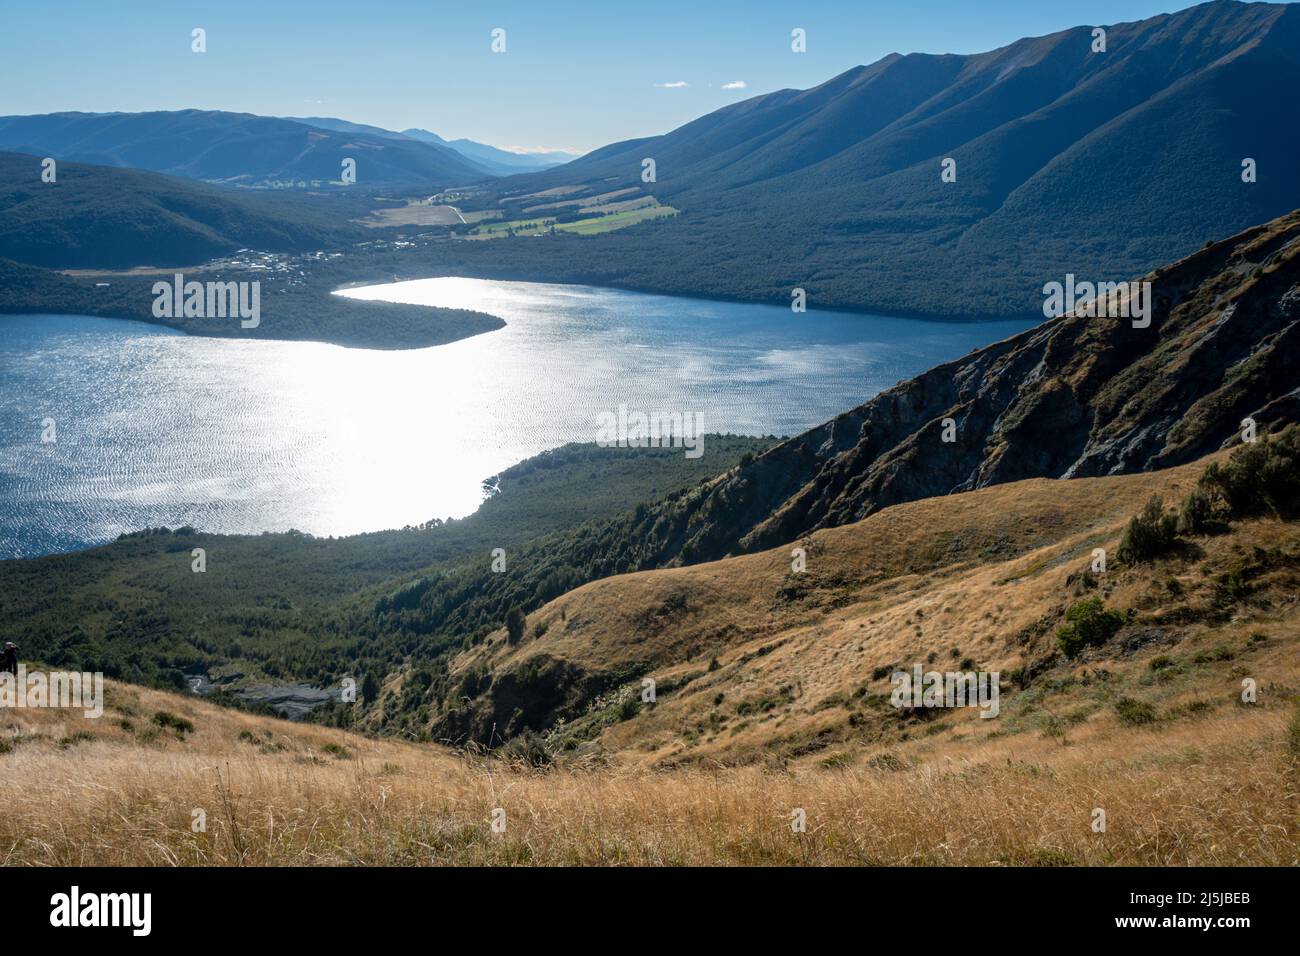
(1076, 396)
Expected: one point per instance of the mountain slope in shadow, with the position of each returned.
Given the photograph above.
(1066, 160)
(236, 148)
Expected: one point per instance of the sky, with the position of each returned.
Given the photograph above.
(573, 76)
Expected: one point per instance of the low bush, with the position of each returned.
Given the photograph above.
(169, 721)
(1133, 711)
(1088, 623)
(1149, 534)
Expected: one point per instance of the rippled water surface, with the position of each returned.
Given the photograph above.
(157, 428)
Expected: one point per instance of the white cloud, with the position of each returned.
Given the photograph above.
(734, 85)
(675, 85)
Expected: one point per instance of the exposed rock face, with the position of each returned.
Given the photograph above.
(1077, 396)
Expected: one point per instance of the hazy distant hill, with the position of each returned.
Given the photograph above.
(237, 148)
(489, 159)
(97, 216)
(1066, 160)
(501, 162)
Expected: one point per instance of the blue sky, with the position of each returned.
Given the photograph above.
(574, 75)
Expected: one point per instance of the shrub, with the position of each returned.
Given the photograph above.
(169, 721)
(1197, 514)
(515, 625)
(337, 750)
(1132, 711)
(887, 761)
(527, 748)
(1149, 534)
(1221, 652)
(1232, 586)
(1260, 478)
(1088, 623)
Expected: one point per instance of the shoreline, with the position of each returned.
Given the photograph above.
(317, 315)
(191, 531)
(296, 308)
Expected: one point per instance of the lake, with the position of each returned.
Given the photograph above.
(153, 427)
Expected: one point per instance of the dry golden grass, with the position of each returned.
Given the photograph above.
(763, 665)
(1220, 792)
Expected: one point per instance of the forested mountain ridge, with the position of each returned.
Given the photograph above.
(1065, 159)
(237, 148)
(107, 217)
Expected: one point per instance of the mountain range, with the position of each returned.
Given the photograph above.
(240, 148)
(1063, 157)
(498, 162)
(501, 162)
(1066, 159)
(1094, 523)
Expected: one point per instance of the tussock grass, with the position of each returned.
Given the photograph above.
(1220, 793)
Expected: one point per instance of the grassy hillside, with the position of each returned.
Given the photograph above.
(757, 663)
(1147, 725)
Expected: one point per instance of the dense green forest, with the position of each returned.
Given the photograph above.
(101, 217)
(295, 607)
